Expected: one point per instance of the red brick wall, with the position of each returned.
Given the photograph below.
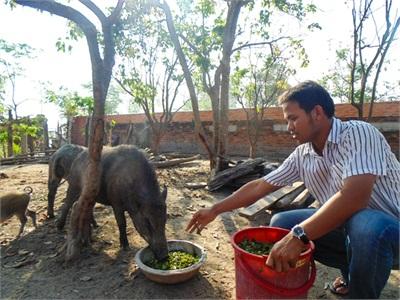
(274, 145)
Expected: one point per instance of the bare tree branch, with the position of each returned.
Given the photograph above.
(255, 44)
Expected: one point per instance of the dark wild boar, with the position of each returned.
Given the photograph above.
(128, 183)
(17, 204)
(59, 165)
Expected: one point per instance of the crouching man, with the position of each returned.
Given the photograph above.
(350, 169)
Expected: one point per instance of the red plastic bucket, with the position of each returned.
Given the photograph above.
(254, 280)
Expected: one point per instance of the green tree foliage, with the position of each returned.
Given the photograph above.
(257, 87)
(70, 103)
(210, 32)
(113, 99)
(149, 71)
(12, 57)
(23, 127)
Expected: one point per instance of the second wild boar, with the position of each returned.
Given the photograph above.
(59, 166)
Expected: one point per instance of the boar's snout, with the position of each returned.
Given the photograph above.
(160, 250)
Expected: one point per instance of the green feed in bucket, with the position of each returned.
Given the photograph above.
(255, 247)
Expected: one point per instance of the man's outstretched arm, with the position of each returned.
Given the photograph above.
(245, 196)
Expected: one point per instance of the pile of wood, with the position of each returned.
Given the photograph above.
(286, 198)
(34, 157)
(242, 173)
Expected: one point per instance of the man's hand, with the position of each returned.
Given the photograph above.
(200, 220)
(285, 253)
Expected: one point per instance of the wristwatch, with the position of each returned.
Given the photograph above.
(299, 233)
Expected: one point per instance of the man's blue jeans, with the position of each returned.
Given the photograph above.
(365, 248)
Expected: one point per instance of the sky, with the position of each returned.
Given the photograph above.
(41, 31)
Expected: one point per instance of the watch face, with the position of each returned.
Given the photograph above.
(298, 231)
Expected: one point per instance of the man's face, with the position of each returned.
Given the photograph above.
(301, 125)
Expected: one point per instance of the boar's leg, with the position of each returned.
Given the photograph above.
(72, 196)
(23, 219)
(121, 221)
(52, 186)
(32, 215)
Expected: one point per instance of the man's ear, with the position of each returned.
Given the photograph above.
(318, 112)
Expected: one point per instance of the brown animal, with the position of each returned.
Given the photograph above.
(17, 204)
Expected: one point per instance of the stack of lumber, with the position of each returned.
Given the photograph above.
(286, 198)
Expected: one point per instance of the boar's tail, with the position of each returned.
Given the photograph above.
(28, 190)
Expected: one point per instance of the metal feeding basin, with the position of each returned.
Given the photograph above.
(145, 255)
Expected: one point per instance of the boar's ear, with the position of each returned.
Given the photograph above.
(164, 193)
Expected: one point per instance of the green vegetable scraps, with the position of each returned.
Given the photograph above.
(255, 247)
(175, 260)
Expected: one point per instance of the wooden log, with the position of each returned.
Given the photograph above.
(173, 162)
(244, 168)
(172, 155)
(266, 202)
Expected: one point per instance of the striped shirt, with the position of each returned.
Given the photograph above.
(352, 148)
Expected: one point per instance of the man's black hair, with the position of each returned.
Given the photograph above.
(309, 94)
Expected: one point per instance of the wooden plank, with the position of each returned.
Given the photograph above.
(303, 200)
(267, 201)
(288, 199)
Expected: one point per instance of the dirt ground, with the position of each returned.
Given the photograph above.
(32, 268)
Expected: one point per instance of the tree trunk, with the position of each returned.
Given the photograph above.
(79, 231)
(24, 143)
(88, 129)
(69, 128)
(157, 134)
(253, 150)
(10, 143)
(228, 41)
(29, 140)
(199, 130)
(31, 146)
(45, 135)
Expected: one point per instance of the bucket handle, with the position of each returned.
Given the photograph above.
(284, 291)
